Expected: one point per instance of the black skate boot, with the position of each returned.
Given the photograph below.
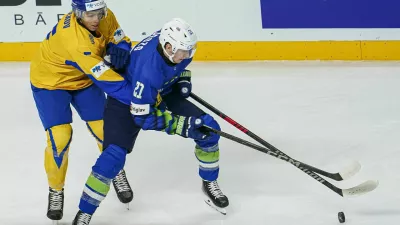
(82, 218)
(122, 187)
(215, 198)
(55, 205)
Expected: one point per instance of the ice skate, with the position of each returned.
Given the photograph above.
(214, 196)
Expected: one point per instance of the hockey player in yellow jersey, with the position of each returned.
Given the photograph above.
(72, 51)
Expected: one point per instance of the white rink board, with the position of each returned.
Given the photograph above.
(222, 20)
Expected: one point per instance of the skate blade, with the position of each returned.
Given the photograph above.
(218, 209)
(127, 206)
(55, 222)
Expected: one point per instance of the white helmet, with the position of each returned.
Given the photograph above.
(180, 35)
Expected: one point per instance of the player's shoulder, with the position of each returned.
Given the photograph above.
(148, 69)
(66, 24)
(110, 12)
(110, 18)
(148, 63)
(77, 38)
(109, 21)
(65, 30)
(146, 49)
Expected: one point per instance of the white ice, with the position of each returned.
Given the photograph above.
(323, 113)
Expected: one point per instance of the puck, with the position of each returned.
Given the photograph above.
(341, 217)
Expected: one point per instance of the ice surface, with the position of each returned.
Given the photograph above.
(323, 113)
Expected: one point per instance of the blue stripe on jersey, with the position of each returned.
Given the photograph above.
(74, 64)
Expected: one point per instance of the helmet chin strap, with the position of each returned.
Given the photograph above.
(169, 56)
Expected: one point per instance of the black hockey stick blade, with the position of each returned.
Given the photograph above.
(358, 190)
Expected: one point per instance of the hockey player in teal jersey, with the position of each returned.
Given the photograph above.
(152, 96)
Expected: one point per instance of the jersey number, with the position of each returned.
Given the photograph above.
(137, 93)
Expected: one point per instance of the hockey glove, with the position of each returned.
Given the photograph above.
(184, 85)
(119, 56)
(189, 127)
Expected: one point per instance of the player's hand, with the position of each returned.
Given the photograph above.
(119, 57)
(184, 84)
(189, 127)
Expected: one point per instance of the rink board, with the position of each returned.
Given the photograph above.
(248, 30)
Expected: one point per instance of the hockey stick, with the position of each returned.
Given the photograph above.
(358, 190)
(343, 175)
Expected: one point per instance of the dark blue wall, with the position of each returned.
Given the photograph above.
(330, 13)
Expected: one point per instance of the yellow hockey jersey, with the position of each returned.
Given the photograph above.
(70, 53)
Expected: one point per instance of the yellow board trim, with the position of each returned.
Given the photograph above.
(240, 51)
